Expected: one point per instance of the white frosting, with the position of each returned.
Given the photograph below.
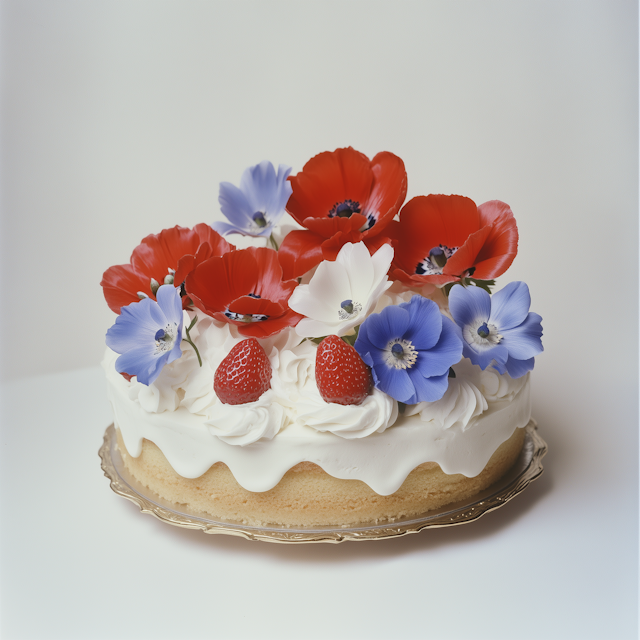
(247, 423)
(290, 423)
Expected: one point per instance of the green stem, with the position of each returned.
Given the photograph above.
(273, 242)
(190, 341)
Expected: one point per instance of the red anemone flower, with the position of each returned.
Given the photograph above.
(441, 239)
(244, 288)
(341, 197)
(170, 254)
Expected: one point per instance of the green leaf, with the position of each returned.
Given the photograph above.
(483, 284)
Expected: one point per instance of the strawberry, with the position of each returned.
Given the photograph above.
(341, 375)
(244, 375)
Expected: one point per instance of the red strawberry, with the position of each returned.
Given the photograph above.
(244, 375)
(341, 375)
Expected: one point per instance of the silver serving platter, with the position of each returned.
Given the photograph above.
(527, 468)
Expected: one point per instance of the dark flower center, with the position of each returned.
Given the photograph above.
(438, 256)
(371, 220)
(397, 350)
(344, 209)
(482, 334)
(400, 354)
(435, 262)
(349, 309)
(165, 338)
(483, 330)
(246, 317)
(347, 305)
(259, 219)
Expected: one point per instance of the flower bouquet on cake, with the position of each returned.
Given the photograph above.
(362, 334)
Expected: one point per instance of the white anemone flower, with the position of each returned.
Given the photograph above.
(341, 294)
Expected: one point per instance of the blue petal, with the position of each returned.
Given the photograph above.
(509, 306)
(176, 352)
(367, 351)
(468, 304)
(169, 301)
(500, 367)
(265, 191)
(446, 353)
(284, 189)
(429, 389)
(524, 342)
(258, 183)
(425, 323)
(484, 358)
(235, 206)
(149, 377)
(133, 327)
(224, 229)
(517, 368)
(142, 362)
(390, 323)
(395, 383)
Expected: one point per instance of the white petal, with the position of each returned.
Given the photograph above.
(304, 302)
(359, 269)
(382, 261)
(330, 284)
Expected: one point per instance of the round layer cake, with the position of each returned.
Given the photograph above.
(293, 459)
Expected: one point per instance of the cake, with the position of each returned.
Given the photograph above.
(350, 366)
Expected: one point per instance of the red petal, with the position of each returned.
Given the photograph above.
(501, 247)
(428, 221)
(269, 327)
(375, 242)
(389, 189)
(160, 252)
(415, 280)
(269, 284)
(328, 227)
(120, 285)
(329, 179)
(187, 264)
(492, 249)
(299, 252)
(210, 244)
(216, 282)
(331, 247)
(465, 257)
(218, 245)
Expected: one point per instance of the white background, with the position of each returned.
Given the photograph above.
(120, 119)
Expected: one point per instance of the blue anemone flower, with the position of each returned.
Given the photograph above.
(257, 206)
(148, 335)
(410, 348)
(498, 329)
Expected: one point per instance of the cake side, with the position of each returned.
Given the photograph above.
(308, 496)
